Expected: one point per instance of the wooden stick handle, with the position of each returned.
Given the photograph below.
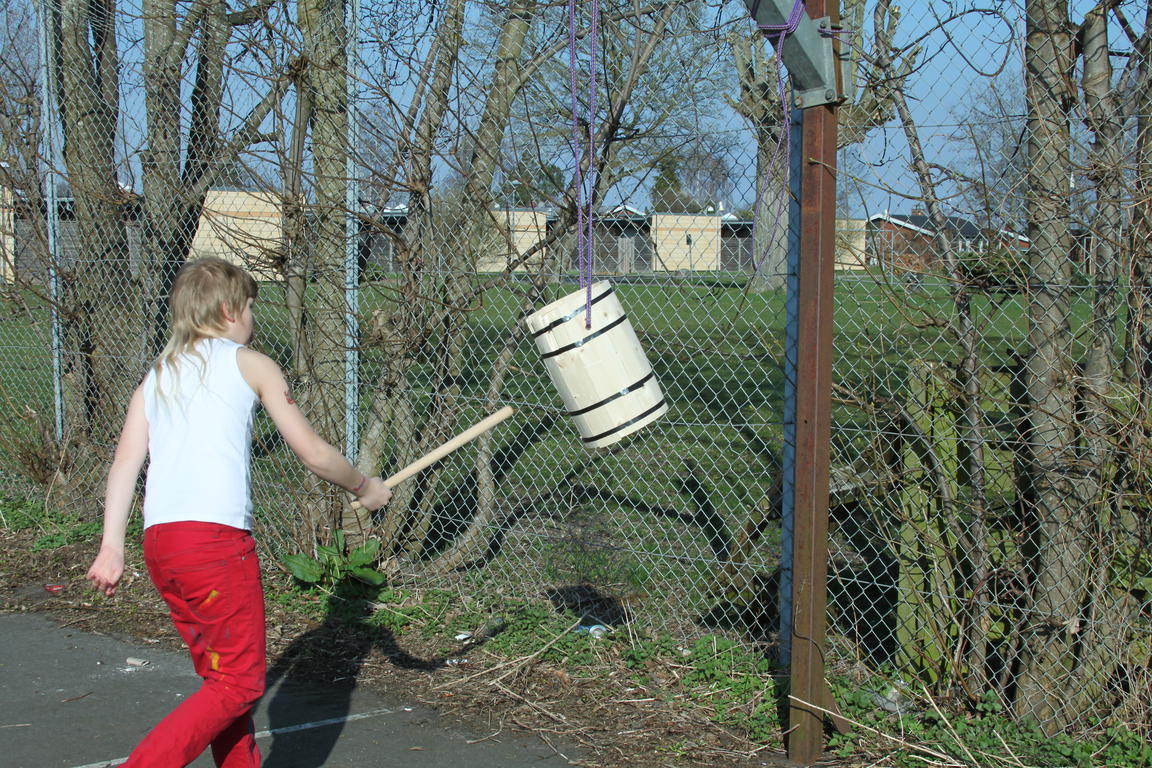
(464, 437)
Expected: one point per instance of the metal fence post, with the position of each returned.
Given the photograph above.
(50, 161)
(813, 404)
(791, 342)
(352, 242)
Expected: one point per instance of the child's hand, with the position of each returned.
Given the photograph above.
(106, 570)
(374, 494)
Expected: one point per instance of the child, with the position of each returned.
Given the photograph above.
(192, 418)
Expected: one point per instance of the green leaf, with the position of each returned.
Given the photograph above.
(328, 553)
(304, 568)
(365, 554)
(368, 576)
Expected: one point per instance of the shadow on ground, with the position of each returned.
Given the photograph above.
(333, 653)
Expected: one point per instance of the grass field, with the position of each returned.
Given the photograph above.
(635, 523)
(640, 530)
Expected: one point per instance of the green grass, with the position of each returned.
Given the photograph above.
(25, 375)
(733, 684)
(20, 515)
(986, 736)
(717, 352)
(53, 528)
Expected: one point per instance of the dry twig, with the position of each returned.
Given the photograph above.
(515, 664)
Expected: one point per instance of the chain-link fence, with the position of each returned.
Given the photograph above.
(407, 194)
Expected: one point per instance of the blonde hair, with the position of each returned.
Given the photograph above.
(204, 290)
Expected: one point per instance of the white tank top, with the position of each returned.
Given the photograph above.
(199, 439)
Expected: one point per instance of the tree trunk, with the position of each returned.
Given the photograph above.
(1138, 331)
(294, 264)
(971, 567)
(321, 394)
(102, 330)
(182, 159)
(771, 218)
(970, 478)
(1107, 612)
(391, 413)
(478, 235)
(171, 215)
(760, 105)
(1054, 544)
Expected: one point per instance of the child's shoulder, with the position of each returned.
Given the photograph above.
(248, 356)
(248, 352)
(256, 367)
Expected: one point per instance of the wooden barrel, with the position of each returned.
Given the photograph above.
(601, 373)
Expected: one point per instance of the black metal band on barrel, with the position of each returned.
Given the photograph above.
(585, 340)
(570, 315)
(626, 424)
(615, 396)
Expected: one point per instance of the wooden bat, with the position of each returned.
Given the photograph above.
(436, 454)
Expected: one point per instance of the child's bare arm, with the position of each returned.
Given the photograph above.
(318, 455)
(131, 450)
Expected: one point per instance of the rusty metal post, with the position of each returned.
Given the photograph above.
(813, 425)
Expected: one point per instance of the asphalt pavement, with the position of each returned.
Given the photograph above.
(72, 699)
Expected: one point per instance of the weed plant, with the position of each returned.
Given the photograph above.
(981, 736)
(55, 528)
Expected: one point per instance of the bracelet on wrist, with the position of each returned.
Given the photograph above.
(359, 485)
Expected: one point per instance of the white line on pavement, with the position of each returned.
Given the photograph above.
(273, 732)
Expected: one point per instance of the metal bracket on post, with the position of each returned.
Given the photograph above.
(817, 70)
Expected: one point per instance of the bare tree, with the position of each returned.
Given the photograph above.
(19, 94)
(970, 540)
(102, 338)
(875, 77)
(441, 323)
(1077, 617)
(1055, 548)
(113, 301)
(321, 343)
(993, 137)
(404, 323)
(1073, 619)
(187, 148)
(1138, 342)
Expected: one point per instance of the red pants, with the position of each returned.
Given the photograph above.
(209, 576)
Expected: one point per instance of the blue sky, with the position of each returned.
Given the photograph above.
(963, 61)
(968, 49)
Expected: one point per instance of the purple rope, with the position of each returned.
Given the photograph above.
(576, 144)
(789, 26)
(593, 76)
(776, 33)
(584, 223)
